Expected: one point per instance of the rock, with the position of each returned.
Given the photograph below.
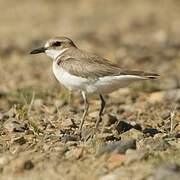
(160, 36)
(171, 95)
(107, 129)
(71, 143)
(136, 126)
(118, 147)
(156, 97)
(133, 133)
(75, 153)
(150, 131)
(5, 160)
(28, 165)
(177, 135)
(69, 123)
(117, 157)
(135, 155)
(177, 128)
(67, 137)
(115, 160)
(169, 83)
(165, 114)
(20, 140)
(109, 177)
(110, 119)
(123, 126)
(108, 136)
(161, 145)
(171, 171)
(12, 125)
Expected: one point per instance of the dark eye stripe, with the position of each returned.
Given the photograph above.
(57, 43)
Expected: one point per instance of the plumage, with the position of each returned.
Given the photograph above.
(85, 72)
(95, 67)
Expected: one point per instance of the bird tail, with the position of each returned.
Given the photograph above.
(153, 76)
(143, 75)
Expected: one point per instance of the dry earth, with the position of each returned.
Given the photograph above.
(139, 136)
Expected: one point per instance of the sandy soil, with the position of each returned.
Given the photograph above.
(139, 136)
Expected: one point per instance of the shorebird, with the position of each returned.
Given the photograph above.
(81, 71)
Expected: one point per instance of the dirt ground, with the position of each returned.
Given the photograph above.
(138, 138)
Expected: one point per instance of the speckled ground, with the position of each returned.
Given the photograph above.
(38, 129)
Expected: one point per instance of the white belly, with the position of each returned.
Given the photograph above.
(102, 85)
(109, 84)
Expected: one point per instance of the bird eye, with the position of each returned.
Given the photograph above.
(57, 43)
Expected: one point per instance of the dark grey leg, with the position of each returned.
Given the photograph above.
(103, 103)
(86, 107)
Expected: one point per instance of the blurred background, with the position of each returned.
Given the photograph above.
(140, 35)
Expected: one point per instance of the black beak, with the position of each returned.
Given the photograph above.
(39, 50)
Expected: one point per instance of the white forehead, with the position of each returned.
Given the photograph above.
(47, 44)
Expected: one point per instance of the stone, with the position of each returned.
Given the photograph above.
(173, 95)
(117, 157)
(161, 145)
(28, 165)
(170, 171)
(19, 140)
(135, 155)
(123, 126)
(165, 114)
(75, 153)
(109, 177)
(150, 131)
(69, 123)
(133, 133)
(12, 125)
(118, 147)
(108, 136)
(110, 119)
(136, 125)
(177, 135)
(67, 137)
(115, 160)
(156, 97)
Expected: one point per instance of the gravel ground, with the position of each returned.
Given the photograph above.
(138, 138)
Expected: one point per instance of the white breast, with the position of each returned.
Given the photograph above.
(68, 80)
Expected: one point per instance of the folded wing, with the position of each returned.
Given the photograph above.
(96, 67)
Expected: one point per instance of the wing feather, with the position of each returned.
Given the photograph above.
(95, 67)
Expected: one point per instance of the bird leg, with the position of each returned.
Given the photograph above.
(103, 103)
(86, 107)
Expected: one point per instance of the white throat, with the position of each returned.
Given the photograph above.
(54, 53)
